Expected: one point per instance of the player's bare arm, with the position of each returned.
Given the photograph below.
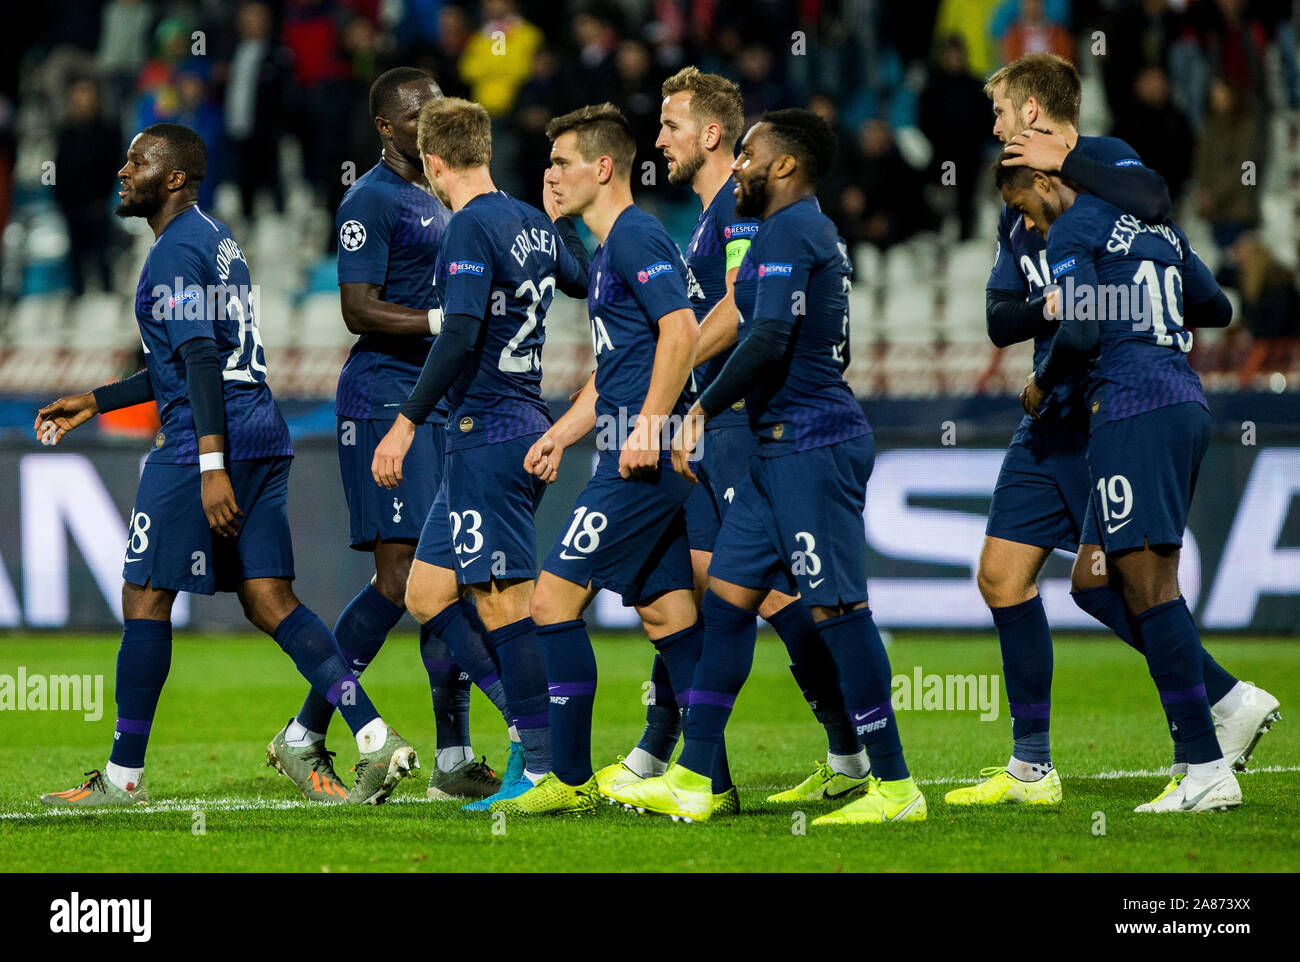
(674, 358)
(720, 328)
(687, 439)
(365, 312)
(218, 495)
(543, 458)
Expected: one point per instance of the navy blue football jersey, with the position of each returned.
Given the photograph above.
(718, 244)
(797, 270)
(637, 277)
(1021, 267)
(389, 236)
(195, 283)
(1134, 277)
(500, 261)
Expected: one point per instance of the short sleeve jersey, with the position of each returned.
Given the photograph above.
(1020, 266)
(499, 262)
(718, 244)
(195, 283)
(1137, 277)
(637, 276)
(389, 236)
(797, 271)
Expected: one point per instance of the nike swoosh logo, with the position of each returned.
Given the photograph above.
(814, 584)
(426, 221)
(1190, 803)
(865, 715)
(1112, 528)
(129, 560)
(831, 796)
(470, 561)
(570, 557)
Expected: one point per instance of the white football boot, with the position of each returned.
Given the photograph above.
(1241, 718)
(1196, 795)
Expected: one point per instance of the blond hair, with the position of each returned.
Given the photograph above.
(459, 131)
(1049, 79)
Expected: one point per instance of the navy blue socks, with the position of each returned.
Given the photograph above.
(523, 673)
(814, 672)
(449, 689)
(725, 661)
(455, 628)
(663, 716)
(571, 678)
(1174, 659)
(142, 665)
(315, 653)
(865, 679)
(1027, 669)
(360, 633)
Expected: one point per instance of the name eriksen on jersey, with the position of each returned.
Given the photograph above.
(532, 239)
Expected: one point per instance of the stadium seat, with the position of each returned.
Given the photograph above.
(322, 323)
(103, 321)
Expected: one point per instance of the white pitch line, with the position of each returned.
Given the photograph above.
(235, 804)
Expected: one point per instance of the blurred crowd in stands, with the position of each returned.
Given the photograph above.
(278, 92)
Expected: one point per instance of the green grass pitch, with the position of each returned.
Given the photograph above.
(227, 696)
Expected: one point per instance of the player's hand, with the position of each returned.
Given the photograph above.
(686, 440)
(1041, 149)
(1052, 302)
(219, 503)
(59, 417)
(548, 201)
(1031, 398)
(386, 466)
(640, 455)
(543, 458)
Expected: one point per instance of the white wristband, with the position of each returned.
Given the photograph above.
(435, 320)
(216, 461)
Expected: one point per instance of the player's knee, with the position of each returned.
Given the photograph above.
(267, 602)
(774, 603)
(394, 589)
(546, 609)
(994, 586)
(145, 604)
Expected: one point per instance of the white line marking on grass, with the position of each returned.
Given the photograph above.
(235, 804)
(173, 805)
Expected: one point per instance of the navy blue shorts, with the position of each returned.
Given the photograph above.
(1143, 471)
(796, 525)
(171, 546)
(627, 536)
(481, 522)
(724, 459)
(1041, 495)
(380, 513)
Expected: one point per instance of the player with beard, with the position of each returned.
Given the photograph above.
(795, 523)
(701, 119)
(210, 512)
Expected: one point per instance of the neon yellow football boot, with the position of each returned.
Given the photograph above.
(1001, 786)
(823, 785)
(727, 803)
(550, 796)
(679, 793)
(615, 777)
(895, 801)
